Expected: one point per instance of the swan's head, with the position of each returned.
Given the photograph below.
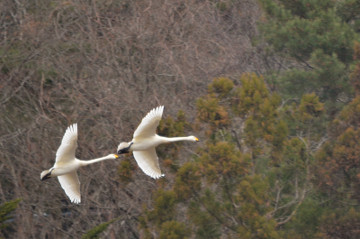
(113, 156)
(124, 147)
(193, 138)
(46, 174)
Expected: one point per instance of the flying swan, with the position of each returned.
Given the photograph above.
(66, 165)
(145, 140)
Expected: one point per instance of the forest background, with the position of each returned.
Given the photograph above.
(271, 88)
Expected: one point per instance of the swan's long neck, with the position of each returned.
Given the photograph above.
(87, 162)
(176, 139)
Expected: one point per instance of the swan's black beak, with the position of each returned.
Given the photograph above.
(47, 176)
(124, 150)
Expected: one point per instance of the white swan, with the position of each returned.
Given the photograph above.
(145, 140)
(66, 165)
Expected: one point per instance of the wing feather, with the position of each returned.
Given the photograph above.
(148, 161)
(149, 123)
(71, 185)
(66, 150)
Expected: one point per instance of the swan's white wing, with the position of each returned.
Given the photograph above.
(66, 151)
(71, 185)
(149, 123)
(148, 161)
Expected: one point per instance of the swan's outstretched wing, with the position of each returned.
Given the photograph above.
(71, 185)
(66, 151)
(148, 161)
(149, 123)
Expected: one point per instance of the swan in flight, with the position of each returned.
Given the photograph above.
(66, 165)
(145, 140)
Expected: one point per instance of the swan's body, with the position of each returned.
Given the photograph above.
(145, 140)
(66, 165)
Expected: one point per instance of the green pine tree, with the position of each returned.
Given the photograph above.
(317, 38)
(6, 214)
(95, 232)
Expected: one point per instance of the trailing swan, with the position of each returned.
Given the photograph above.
(66, 165)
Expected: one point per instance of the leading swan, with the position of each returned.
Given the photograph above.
(66, 165)
(145, 140)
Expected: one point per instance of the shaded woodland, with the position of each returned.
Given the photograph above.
(270, 87)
